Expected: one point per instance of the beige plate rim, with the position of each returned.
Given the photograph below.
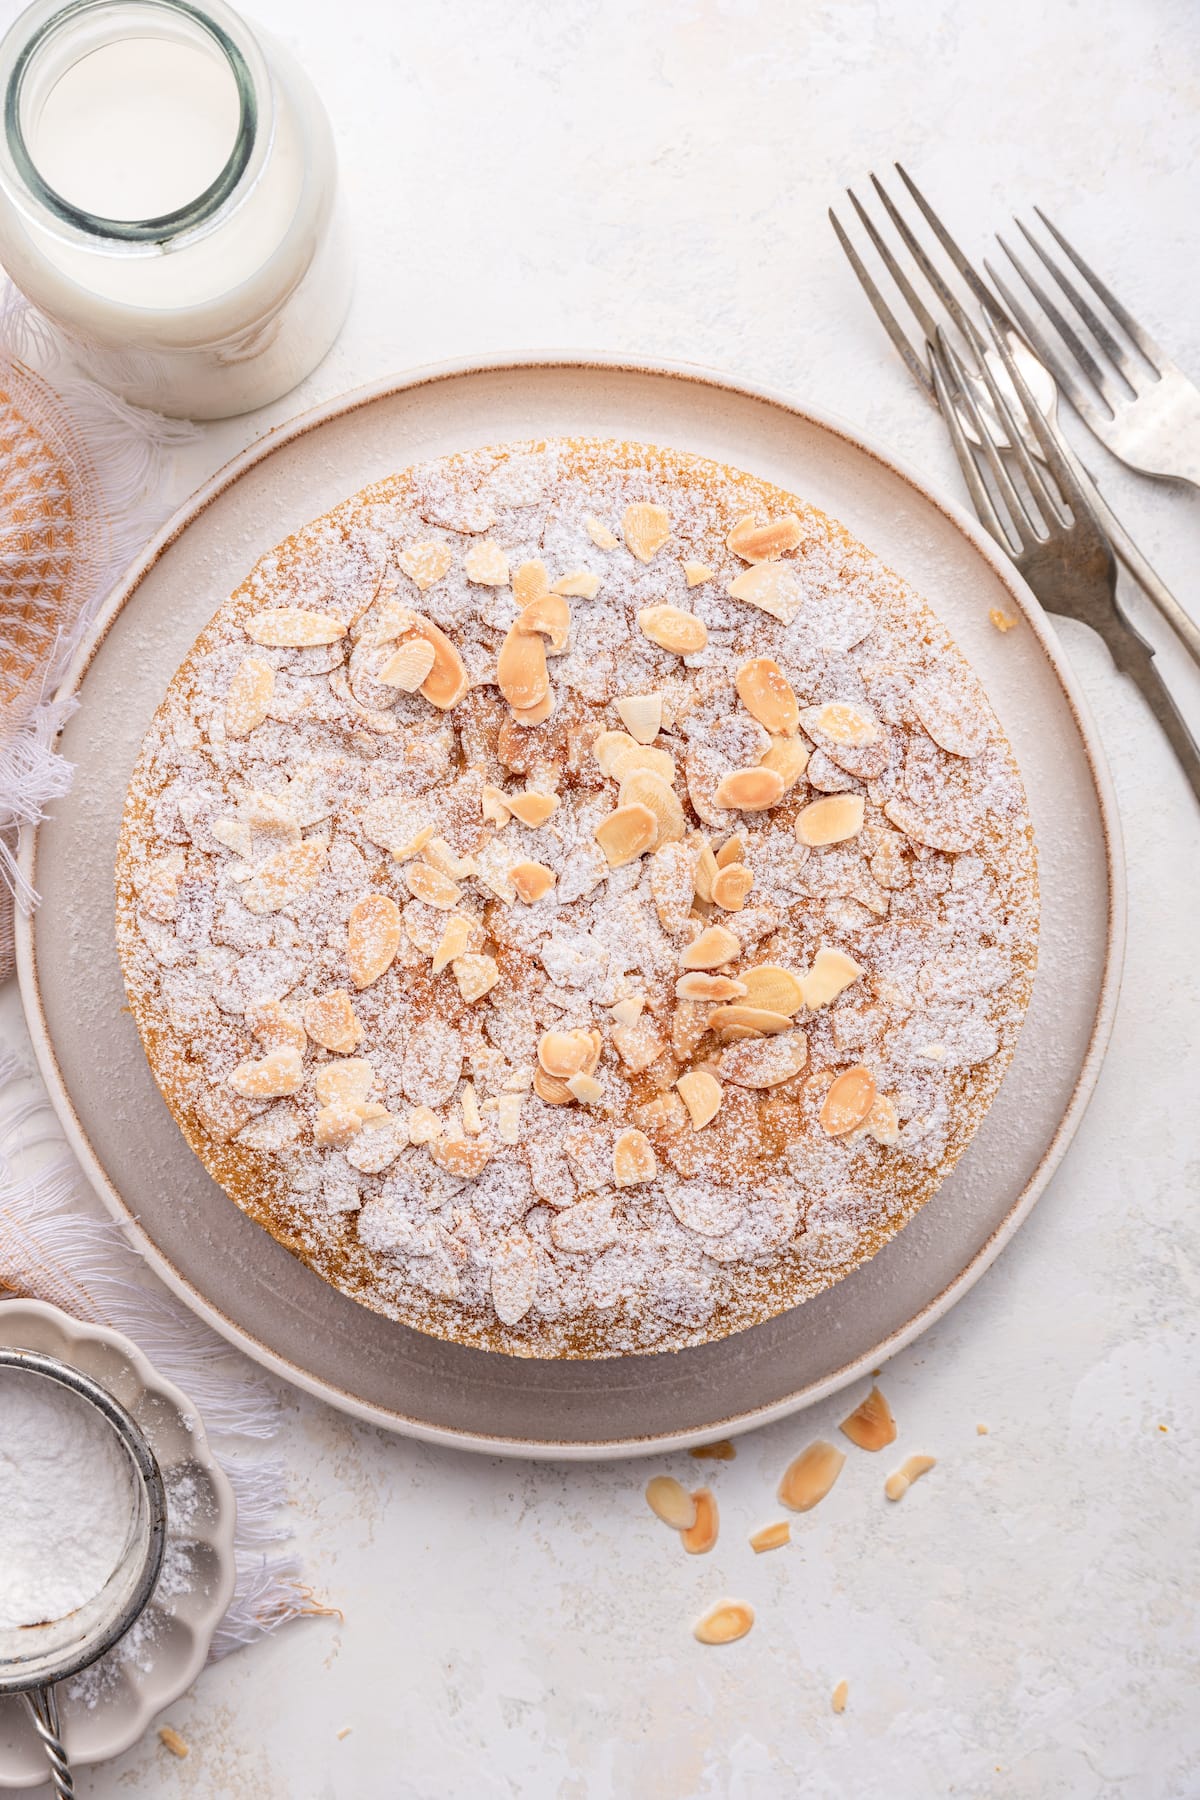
(1022, 598)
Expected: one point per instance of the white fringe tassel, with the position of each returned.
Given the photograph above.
(53, 1248)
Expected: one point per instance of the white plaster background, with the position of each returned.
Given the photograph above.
(654, 178)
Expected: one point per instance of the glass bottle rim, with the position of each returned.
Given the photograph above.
(36, 29)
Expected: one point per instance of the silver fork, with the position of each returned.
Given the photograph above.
(1039, 379)
(1139, 403)
(1050, 531)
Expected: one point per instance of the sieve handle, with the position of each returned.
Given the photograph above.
(43, 1706)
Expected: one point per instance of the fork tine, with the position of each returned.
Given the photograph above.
(919, 309)
(1019, 515)
(982, 501)
(1070, 338)
(883, 312)
(1056, 462)
(1125, 319)
(1017, 432)
(961, 262)
(1087, 312)
(1046, 353)
(930, 271)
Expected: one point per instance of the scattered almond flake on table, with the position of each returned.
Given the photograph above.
(840, 1693)
(771, 1537)
(699, 1537)
(809, 1477)
(982, 1430)
(1001, 620)
(725, 1624)
(171, 1740)
(669, 1501)
(910, 1470)
(871, 1425)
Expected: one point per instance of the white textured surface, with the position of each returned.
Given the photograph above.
(1022, 1626)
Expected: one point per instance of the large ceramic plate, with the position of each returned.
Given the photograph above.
(231, 1271)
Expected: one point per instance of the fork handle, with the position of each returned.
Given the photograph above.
(1150, 582)
(1134, 657)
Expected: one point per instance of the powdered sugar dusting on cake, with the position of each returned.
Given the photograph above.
(421, 939)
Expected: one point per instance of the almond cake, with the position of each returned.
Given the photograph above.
(577, 899)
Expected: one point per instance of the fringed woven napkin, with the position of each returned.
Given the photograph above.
(81, 477)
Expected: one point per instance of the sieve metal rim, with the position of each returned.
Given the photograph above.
(148, 1479)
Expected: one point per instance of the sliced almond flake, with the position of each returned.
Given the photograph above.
(669, 1501)
(756, 543)
(610, 746)
(455, 941)
(496, 810)
(532, 881)
(715, 946)
(397, 824)
(639, 788)
(738, 1019)
(638, 1045)
(849, 1100)
(626, 834)
(766, 693)
(1001, 621)
(521, 673)
(831, 974)
(424, 1125)
(701, 1094)
(701, 1537)
(285, 877)
(871, 1425)
(275, 1028)
(682, 633)
(843, 723)
(373, 938)
(409, 666)
(629, 1010)
(279, 1072)
(514, 1278)
(330, 1021)
(292, 628)
(641, 715)
(426, 563)
(475, 974)
(580, 584)
(336, 1124)
(725, 1624)
(601, 536)
(469, 1106)
(948, 703)
(696, 573)
(673, 884)
(764, 1062)
(346, 1082)
(634, 1162)
(465, 1157)
(778, 990)
(530, 583)
(646, 530)
(771, 1537)
(697, 985)
(788, 756)
(910, 1470)
(731, 885)
(430, 885)
(810, 1476)
(486, 564)
(586, 1089)
(531, 808)
(508, 1118)
(548, 617)
(249, 697)
(750, 790)
(833, 820)
(838, 1700)
(447, 681)
(770, 587)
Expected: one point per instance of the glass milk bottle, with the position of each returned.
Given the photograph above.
(168, 200)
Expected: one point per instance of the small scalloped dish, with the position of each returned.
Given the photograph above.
(108, 1708)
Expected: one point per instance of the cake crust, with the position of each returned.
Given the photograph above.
(577, 899)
